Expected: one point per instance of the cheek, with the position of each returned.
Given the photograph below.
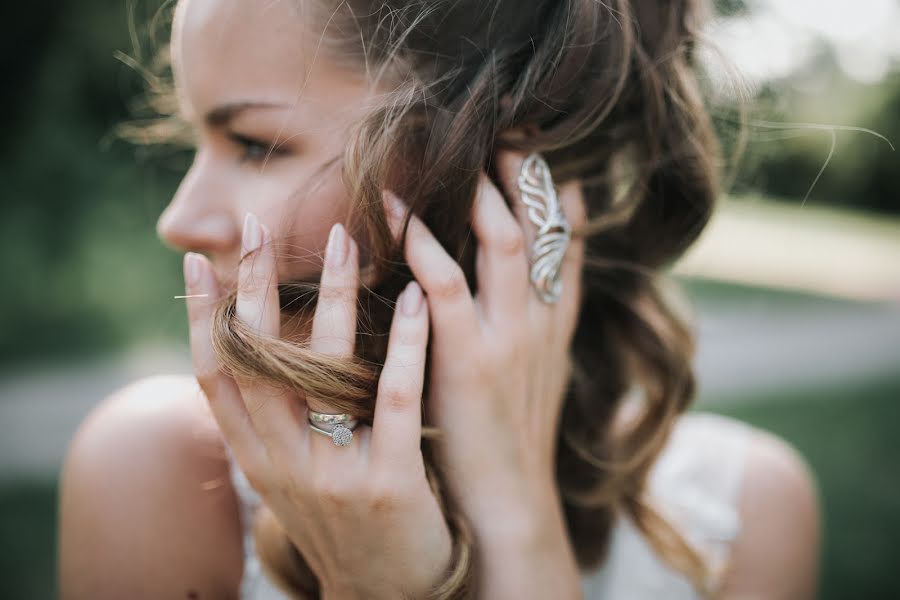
(305, 223)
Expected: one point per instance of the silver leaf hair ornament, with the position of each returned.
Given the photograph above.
(554, 232)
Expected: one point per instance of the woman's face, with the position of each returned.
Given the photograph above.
(248, 76)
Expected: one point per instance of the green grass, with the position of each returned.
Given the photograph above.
(711, 293)
(850, 438)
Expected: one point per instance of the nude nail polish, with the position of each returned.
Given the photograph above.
(338, 246)
(411, 299)
(191, 269)
(252, 236)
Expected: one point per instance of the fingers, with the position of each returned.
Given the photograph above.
(334, 322)
(221, 391)
(453, 314)
(572, 204)
(274, 412)
(555, 321)
(397, 426)
(257, 294)
(571, 198)
(334, 333)
(509, 166)
(501, 262)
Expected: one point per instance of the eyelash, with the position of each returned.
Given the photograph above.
(255, 150)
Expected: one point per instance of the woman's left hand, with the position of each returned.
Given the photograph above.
(500, 362)
(363, 516)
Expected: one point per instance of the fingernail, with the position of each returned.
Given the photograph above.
(191, 269)
(395, 206)
(338, 246)
(411, 299)
(252, 237)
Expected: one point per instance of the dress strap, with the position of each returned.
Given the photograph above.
(697, 483)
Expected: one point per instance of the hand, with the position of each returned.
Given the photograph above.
(499, 366)
(363, 515)
(500, 359)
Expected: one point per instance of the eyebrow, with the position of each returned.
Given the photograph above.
(222, 115)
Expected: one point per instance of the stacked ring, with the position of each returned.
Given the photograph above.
(339, 427)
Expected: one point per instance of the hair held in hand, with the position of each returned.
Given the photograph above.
(613, 99)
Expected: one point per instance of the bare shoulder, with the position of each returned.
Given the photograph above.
(146, 506)
(775, 557)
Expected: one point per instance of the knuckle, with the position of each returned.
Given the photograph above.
(250, 281)
(246, 286)
(451, 284)
(410, 334)
(488, 363)
(384, 494)
(508, 351)
(507, 356)
(332, 492)
(336, 294)
(510, 241)
(257, 480)
(395, 394)
(287, 480)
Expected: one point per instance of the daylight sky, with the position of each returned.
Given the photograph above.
(779, 35)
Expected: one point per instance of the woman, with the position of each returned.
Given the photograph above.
(510, 425)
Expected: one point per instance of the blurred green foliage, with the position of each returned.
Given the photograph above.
(815, 121)
(730, 8)
(848, 436)
(28, 520)
(77, 237)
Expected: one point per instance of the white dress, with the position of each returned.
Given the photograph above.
(695, 483)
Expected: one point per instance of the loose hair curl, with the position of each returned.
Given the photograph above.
(611, 93)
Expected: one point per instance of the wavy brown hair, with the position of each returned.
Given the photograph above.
(612, 97)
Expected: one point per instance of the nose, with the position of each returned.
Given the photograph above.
(198, 219)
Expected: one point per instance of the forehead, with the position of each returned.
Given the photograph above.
(238, 50)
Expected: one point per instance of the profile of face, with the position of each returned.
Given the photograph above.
(270, 115)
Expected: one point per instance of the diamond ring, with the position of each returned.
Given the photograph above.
(340, 435)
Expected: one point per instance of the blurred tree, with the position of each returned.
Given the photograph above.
(860, 169)
(77, 238)
(22, 50)
(730, 8)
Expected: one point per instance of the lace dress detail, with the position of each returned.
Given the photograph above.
(695, 483)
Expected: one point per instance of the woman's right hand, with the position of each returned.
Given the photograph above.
(363, 515)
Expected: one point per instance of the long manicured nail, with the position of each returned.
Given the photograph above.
(338, 246)
(252, 236)
(191, 269)
(396, 207)
(411, 299)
